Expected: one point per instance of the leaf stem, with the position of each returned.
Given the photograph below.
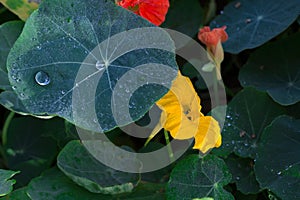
(170, 151)
(215, 88)
(5, 127)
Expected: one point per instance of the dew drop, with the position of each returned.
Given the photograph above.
(127, 90)
(279, 173)
(38, 47)
(14, 87)
(63, 92)
(100, 65)
(42, 78)
(18, 80)
(13, 77)
(222, 12)
(237, 178)
(238, 28)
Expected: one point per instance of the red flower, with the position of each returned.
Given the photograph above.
(153, 10)
(212, 37)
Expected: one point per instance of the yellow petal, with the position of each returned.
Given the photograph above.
(209, 135)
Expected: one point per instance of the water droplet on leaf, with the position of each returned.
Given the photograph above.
(42, 78)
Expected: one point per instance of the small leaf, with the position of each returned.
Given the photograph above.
(196, 178)
(242, 170)
(83, 168)
(252, 23)
(274, 69)
(248, 113)
(28, 148)
(277, 166)
(22, 8)
(191, 17)
(71, 50)
(6, 185)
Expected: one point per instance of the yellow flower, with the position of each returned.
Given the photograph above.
(181, 116)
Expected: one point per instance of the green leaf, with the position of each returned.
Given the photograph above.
(54, 185)
(191, 17)
(28, 147)
(252, 23)
(144, 191)
(22, 8)
(11, 101)
(6, 185)
(248, 113)
(242, 170)
(274, 68)
(71, 50)
(277, 166)
(19, 194)
(196, 178)
(9, 32)
(83, 168)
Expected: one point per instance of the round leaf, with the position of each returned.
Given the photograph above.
(196, 178)
(277, 166)
(79, 165)
(19, 194)
(275, 69)
(248, 113)
(75, 58)
(252, 23)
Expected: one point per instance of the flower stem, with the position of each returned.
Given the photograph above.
(215, 88)
(5, 127)
(170, 151)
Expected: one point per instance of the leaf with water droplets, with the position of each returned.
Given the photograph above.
(9, 32)
(252, 23)
(96, 61)
(275, 69)
(248, 113)
(242, 170)
(196, 178)
(277, 166)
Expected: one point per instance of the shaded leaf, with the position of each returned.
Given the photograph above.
(19, 194)
(252, 23)
(274, 68)
(6, 185)
(9, 32)
(28, 147)
(277, 166)
(83, 168)
(11, 101)
(248, 113)
(196, 178)
(22, 8)
(242, 170)
(71, 50)
(191, 17)
(54, 185)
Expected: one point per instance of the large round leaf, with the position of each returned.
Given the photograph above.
(85, 170)
(252, 23)
(277, 166)
(196, 178)
(79, 59)
(275, 69)
(248, 113)
(6, 185)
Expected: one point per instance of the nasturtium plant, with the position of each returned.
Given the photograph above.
(60, 53)
(83, 84)
(252, 23)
